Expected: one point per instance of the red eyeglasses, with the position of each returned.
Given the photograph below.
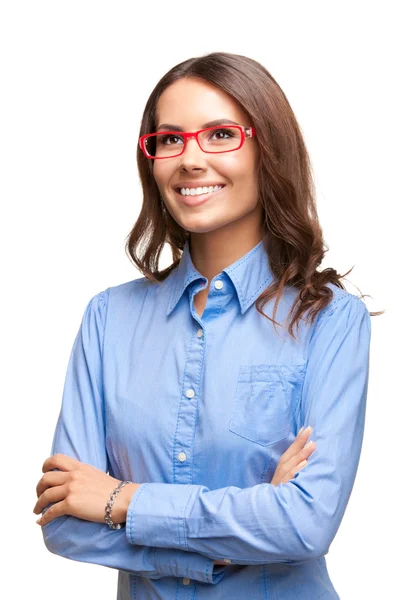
(213, 140)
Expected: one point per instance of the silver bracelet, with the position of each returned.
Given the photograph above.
(110, 503)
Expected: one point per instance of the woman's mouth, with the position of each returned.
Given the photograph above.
(191, 199)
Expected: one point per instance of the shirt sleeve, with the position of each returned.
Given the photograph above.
(80, 433)
(294, 521)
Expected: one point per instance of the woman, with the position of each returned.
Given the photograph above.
(188, 395)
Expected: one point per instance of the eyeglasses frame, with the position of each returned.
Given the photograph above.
(246, 132)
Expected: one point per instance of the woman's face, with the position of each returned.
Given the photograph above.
(190, 104)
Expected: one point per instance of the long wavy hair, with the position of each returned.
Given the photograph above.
(294, 243)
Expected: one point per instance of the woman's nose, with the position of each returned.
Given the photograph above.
(192, 150)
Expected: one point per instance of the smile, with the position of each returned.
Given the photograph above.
(199, 190)
(194, 199)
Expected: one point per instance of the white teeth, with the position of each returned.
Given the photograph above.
(200, 190)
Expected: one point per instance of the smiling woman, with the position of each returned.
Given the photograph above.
(180, 386)
(213, 155)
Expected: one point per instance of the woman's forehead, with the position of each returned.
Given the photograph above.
(191, 103)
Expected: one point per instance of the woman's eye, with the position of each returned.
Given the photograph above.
(166, 139)
(224, 132)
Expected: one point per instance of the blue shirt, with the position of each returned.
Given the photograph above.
(200, 410)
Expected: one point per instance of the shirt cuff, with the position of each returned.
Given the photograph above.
(156, 517)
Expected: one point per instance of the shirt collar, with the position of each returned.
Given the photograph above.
(250, 275)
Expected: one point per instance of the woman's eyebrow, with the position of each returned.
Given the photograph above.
(170, 127)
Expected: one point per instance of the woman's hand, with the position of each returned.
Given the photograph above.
(292, 460)
(79, 490)
(295, 458)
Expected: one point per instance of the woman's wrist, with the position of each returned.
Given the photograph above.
(122, 501)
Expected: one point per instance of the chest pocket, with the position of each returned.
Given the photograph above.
(265, 402)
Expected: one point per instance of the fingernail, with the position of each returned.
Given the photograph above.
(300, 430)
(308, 429)
(310, 443)
(38, 521)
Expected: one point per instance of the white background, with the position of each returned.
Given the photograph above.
(75, 77)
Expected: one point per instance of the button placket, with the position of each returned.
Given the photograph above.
(187, 413)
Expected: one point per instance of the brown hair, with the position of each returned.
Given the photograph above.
(295, 243)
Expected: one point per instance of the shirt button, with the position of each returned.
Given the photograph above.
(227, 561)
(219, 284)
(190, 393)
(199, 333)
(182, 456)
(185, 581)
